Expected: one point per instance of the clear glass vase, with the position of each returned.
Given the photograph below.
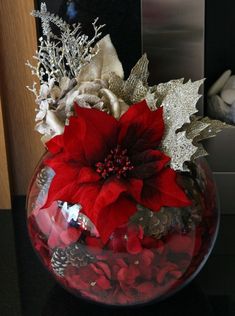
(151, 257)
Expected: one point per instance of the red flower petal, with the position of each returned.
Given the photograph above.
(103, 283)
(133, 245)
(104, 124)
(117, 244)
(86, 195)
(87, 175)
(96, 269)
(128, 275)
(56, 144)
(135, 231)
(62, 189)
(65, 183)
(88, 274)
(148, 163)
(145, 288)
(160, 246)
(171, 193)
(176, 273)
(147, 257)
(161, 274)
(181, 244)
(122, 274)
(149, 242)
(121, 263)
(109, 193)
(94, 242)
(77, 283)
(91, 134)
(105, 203)
(163, 190)
(109, 218)
(140, 128)
(73, 139)
(105, 268)
(134, 187)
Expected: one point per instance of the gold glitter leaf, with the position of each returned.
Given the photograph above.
(116, 84)
(212, 129)
(138, 74)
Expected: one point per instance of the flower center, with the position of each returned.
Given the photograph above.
(116, 163)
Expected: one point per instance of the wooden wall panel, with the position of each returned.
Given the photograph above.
(18, 42)
(5, 196)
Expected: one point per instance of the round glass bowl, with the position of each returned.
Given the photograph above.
(150, 258)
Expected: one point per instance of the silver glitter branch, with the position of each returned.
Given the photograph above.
(61, 55)
(33, 89)
(47, 18)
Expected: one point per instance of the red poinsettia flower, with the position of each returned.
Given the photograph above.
(109, 166)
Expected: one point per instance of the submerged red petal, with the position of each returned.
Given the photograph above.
(179, 243)
(103, 283)
(134, 245)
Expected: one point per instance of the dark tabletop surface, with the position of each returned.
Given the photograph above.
(27, 289)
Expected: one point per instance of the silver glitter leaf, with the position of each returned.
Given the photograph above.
(179, 105)
(180, 149)
(163, 89)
